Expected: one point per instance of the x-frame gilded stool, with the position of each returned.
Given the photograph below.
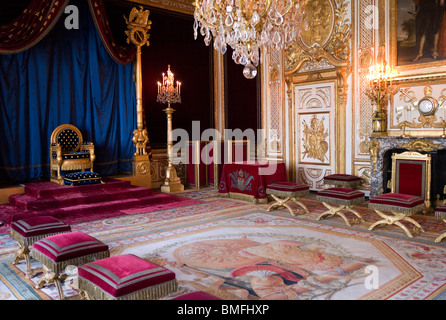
(440, 213)
(344, 198)
(402, 206)
(65, 249)
(29, 230)
(283, 192)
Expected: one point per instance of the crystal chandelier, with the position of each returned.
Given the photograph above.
(248, 25)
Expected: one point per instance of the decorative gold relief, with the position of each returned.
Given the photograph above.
(317, 24)
(374, 150)
(325, 34)
(315, 146)
(421, 145)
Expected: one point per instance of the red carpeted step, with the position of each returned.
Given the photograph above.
(49, 189)
(28, 202)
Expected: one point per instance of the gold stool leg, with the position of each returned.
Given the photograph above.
(396, 219)
(280, 203)
(302, 205)
(23, 254)
(333, 211)
(51, 276)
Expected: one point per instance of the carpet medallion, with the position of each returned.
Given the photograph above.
(238, 251)
(252, 258)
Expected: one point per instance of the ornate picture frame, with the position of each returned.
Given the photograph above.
(405, 38)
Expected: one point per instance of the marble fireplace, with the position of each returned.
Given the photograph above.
(381, 152)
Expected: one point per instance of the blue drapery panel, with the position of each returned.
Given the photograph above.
(68, 77)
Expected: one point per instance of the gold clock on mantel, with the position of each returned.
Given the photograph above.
(427, 106)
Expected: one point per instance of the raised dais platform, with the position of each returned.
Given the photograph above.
(61, 201)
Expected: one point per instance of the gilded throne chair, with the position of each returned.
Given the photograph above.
(68, 152)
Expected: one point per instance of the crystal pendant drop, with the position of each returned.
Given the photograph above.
(249, 71)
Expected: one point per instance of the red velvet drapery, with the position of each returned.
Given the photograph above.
(31, 26)
(121, 54)
(38, 19)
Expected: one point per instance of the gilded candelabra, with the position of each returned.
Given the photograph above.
(169, 93)
(380, 89)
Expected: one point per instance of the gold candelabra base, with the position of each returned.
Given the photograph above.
(172, 183)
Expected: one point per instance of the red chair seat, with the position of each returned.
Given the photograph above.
(127, 277)
(29, 230)
(342, 196)
(398, 202)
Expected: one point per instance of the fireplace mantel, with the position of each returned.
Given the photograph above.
(379, 146)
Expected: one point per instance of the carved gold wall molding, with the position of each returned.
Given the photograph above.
(325, 35)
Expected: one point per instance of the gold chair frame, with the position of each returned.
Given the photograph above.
(58, 163)
(414, 156)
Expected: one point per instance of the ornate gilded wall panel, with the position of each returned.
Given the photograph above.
(368, 23)
(274, 111)
(315, 129)
(408, 118)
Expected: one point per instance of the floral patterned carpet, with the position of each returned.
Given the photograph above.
(236, 250)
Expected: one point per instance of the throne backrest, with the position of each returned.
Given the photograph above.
(68, 137)
(411, 174)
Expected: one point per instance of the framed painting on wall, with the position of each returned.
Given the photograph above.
(418, 36)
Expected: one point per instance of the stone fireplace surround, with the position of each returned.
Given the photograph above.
(381, 151)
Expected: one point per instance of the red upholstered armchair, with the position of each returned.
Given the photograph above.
(68, 152)
(411, 175)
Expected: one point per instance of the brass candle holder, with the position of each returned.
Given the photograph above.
(168, 93)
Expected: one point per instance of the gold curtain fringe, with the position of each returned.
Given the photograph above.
(440, 215)
(59, 267)
(395, 208)
(348, 184)
(341, 202)
(284, 194)
(28, 241)
(154, 292)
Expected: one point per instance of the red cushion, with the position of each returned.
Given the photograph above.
(397, 199)
(341, 193)
(69, 245)
(441, 208)
(124, 274)
(40, 225)
(199, 295)
(287, 186)
(342, 177)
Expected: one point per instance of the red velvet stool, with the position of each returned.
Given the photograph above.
(29, 230)
(343, 180)
(440, 213)
(283, 192)
(345, 199)
(125, 277)
(401, 206)
(198, 295)
(59, 251)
